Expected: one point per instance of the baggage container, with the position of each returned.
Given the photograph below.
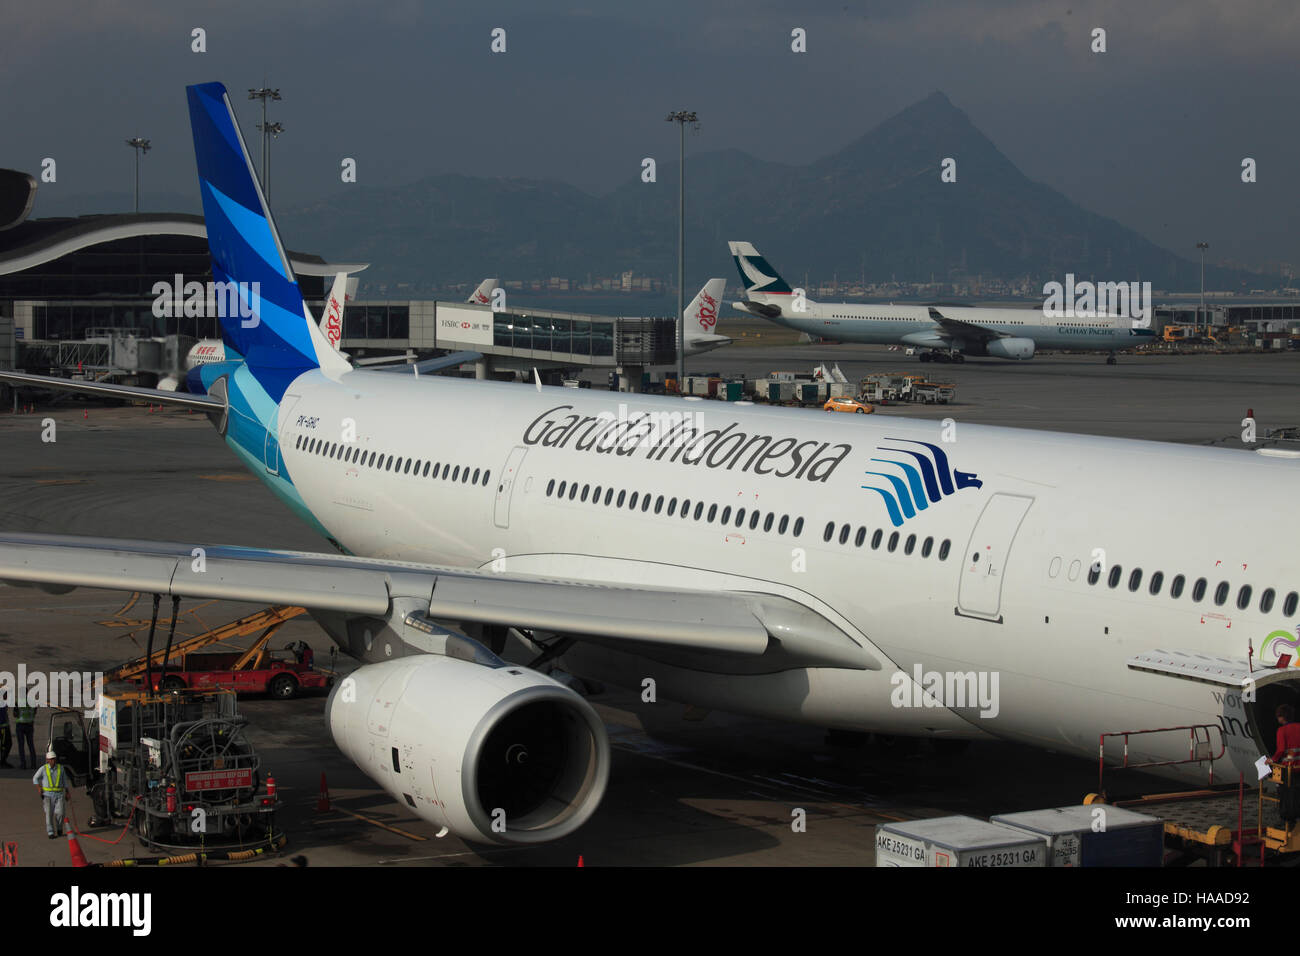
(957, 841)
(701, 385)
(780, 391)
(1097, 835)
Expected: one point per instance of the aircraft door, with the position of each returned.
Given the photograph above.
(506, 485)
(985, 561)
(272, 456)
(271, 451)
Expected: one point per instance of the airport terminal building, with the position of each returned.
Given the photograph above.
(81, 296)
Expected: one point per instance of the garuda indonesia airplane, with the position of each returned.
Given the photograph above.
(946, 333)
(873, 575)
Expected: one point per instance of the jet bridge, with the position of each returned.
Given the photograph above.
(519, 340)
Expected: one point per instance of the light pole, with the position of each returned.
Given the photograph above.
(139, 145)
(264, 94)
(681, 118)
(275, 129)
(1202, 246)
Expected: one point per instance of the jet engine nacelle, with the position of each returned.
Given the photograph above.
(495, 754)
(1011, 348)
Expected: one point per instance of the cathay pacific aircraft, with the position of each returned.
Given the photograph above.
(946, 333)
(863, 573)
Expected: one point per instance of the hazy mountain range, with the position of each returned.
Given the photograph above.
(876, 209)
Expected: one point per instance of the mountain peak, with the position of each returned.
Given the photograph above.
(920, 134)
(877, 208)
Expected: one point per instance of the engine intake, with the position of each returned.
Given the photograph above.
(495, 754)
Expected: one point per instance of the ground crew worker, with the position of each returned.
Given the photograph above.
(25, 721)
(1288, 736)
(1287, 755)
(302, 652)
(52, 784)
(6, 738)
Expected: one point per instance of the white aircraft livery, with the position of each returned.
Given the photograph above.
(482, 294)
(701, 319)
(861, 573)
(946, 332)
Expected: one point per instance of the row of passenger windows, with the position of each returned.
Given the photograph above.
(417, 467)
(573, 491)
(903, 318)
(878, 536)
(1222, 591)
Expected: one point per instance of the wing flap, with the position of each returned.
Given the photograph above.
(689, 620)
(699, 621)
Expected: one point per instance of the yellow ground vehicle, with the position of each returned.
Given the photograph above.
(848, 405)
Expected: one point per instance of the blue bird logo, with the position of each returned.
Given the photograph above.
(919, 479)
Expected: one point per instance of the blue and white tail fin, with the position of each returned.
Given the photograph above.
(702, 314)
(272, 327)
(483, 294)
(761, 281)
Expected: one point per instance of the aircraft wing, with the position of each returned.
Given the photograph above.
(967, 330)
(429, 366)
(733, 624)
(759, 309)
(109, 390)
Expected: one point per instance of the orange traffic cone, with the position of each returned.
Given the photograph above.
(580, 860)
(85, 413)
(323, 804)
(74, 848)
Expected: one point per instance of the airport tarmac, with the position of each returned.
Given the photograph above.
(1182, 398)
(716, 790)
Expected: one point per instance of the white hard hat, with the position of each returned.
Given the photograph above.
(50, 753)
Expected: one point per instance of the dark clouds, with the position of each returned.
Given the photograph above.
(1150, 133)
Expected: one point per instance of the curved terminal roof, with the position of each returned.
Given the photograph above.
(17, 193)
(38, 241)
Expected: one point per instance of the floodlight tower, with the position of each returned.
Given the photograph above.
(275, 129)
(1202, 246)
(264, 94)
(139, 145)
(681, 118)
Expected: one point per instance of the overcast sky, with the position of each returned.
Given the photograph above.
(1152, 132)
